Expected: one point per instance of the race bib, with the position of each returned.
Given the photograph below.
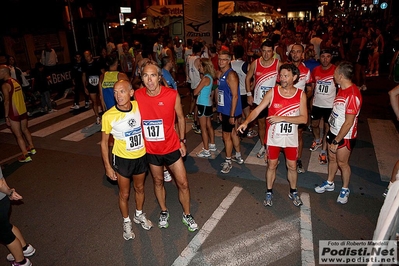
(129, 66)
(153, 130)
(134, 139)
(332, 119)
(263, 90)
(284, 128)
(322, 87)
(93, 80)
(221, 98)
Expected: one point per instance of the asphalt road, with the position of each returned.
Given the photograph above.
(70, 210)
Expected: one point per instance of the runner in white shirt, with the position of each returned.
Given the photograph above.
(324, 91)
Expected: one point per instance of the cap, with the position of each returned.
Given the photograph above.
(325, 51)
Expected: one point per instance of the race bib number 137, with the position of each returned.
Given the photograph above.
(153, 130)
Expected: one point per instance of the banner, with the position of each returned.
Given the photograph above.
(198, 20)
(60, 78)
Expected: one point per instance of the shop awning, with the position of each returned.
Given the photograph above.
(251, 9)
(169, 10)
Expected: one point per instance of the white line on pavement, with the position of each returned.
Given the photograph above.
(189, 252)
(63, 124)
(9, 158)
(315, 166)
(83, 133)
(43, 118)
(261, 246)
(219, 145)
(252, 158)
(307, 251)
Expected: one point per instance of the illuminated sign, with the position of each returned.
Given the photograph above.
(126, 9)
(383, 5)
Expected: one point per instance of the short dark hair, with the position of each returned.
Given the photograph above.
(111, 59)
(197, 46)
(267, 43)
(298, 44)
(212, 49)
(165, 60)
(293, 69)
(238, 51)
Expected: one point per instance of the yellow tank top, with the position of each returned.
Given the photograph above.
(17, 98)
(110, 78)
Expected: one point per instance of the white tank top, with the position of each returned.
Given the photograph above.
(236, 65)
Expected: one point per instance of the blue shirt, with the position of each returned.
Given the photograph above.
(169, 79)
(225, 97)
(311, 64)
(204, 97)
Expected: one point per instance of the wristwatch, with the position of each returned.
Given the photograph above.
(183, 141)
(334, 142)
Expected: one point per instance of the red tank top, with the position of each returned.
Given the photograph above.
(283, 134)
(17, 103)
(158, 119)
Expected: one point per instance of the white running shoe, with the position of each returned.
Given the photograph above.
(261, 152)
(204, 153)
(226, 167)
(190, 222)
(128, 231)
(166, 176)
(29, 251)
(343, 196)
(212, 147)
(75, 107)
(141, 219)
(238, 160)
(163, 219)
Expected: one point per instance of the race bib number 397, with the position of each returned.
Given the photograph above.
(134, 140)
(153, 130)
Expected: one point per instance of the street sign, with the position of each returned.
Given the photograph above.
(126, 9)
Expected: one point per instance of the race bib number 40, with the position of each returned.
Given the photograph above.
(153, 130)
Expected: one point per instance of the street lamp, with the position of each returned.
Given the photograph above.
(278, 9)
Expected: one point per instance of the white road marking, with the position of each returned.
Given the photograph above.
(189, 252)
(64, 100)
(252, 159)
(219, 145)
(63, 124)
(386, 148)
(43, 118)
(307, 251)
(9, 158)
(83, 133)
(262, 246)
(314, 165)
